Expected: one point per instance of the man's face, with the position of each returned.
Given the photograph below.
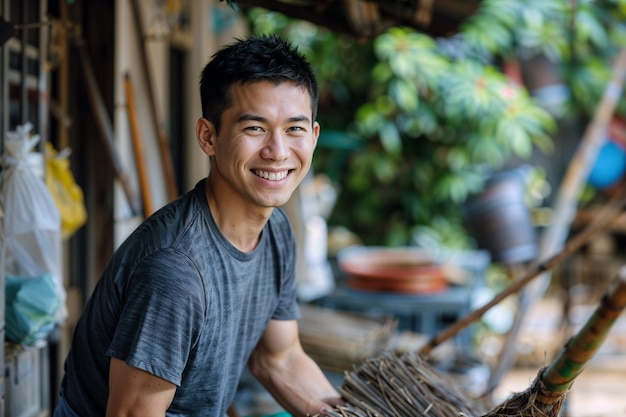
(265, 144)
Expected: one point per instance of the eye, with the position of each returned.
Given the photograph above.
(254, 129)
(296, 129)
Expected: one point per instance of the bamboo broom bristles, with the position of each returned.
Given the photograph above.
(394, 385)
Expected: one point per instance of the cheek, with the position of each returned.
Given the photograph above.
(230, 150)
(304, 146)
(305, 155)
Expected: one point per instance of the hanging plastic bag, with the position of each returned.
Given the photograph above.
(67, 195)
(31, 222)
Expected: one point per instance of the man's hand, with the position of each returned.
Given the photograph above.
(289, 374)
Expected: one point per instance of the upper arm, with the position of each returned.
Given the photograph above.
(280, 336)
(278, 345)
(133, 391)
(155, 308)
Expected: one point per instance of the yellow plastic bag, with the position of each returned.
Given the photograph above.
(67, 195)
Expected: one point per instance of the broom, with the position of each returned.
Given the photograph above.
(405, 386)
(376, 388)
(547, 393)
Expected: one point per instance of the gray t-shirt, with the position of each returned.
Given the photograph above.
(179, 301)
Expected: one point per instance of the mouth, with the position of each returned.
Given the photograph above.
(271, 176)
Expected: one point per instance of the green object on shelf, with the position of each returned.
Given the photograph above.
(31, 307)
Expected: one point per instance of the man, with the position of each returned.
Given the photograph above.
(207, 283)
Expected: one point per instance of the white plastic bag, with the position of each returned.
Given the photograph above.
(31, 223)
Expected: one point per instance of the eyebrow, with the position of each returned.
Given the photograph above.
(252, 117)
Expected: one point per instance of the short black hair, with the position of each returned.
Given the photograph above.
(257, 58)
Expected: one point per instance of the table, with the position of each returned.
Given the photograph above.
(427, 314)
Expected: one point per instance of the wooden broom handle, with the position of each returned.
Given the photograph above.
(559, 376)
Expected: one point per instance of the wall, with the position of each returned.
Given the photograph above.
(199, 41)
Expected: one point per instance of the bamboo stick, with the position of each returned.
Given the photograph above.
(605, 217)
(166, 156)
(103, 122)
(146, 195)
(566, 203)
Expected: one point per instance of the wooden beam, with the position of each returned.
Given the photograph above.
(585, 216)
(444, 19)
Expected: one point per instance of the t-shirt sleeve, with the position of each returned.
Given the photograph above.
(287, 308)
(162, 316)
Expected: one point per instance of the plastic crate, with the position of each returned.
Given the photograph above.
(27, 392)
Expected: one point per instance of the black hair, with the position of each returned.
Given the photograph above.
(263, 58)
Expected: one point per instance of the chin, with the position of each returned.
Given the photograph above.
(275, 199)
(275, 202)
(279, 203)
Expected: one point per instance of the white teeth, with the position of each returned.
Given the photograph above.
(272, 176)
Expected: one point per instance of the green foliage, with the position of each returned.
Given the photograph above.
(582, 37)
(432, 128)
(427, 126)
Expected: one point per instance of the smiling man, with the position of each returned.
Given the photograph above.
(207, 284)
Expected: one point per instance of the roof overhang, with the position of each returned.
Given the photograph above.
(368, 18)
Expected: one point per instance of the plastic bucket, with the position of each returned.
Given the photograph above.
(500, 221)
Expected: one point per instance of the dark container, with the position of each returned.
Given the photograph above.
(500, 221)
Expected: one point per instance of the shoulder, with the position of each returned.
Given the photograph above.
(167, 226)
(160, 274)
(165, 264)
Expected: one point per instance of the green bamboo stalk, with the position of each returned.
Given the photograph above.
(558, 378)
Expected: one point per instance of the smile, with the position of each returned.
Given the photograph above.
(272, 176)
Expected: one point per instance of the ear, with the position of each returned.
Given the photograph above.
(206, 134)
(316, 132)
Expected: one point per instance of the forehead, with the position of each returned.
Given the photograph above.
(261, 94)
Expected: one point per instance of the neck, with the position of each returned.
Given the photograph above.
(240, 223)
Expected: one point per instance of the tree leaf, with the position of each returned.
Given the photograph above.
(404, 94)
(390, 138)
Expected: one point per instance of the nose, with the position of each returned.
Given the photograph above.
(275, 147)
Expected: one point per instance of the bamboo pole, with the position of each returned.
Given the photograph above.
(146, 195)
(559, 376)
(565, 205)
(104, 124)
(166, 156)
(63, 78)
(582, 162)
